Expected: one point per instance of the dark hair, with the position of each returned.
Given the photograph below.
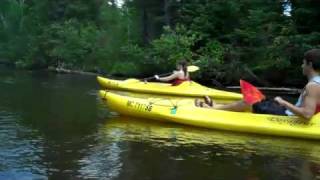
(313, 56)
(184, 65)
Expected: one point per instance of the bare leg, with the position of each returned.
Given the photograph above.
(238, 106)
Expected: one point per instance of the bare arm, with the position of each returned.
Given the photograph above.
(175, 75)
(309, 103)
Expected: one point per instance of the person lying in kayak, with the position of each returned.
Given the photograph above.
(177, 77)
(307, 105)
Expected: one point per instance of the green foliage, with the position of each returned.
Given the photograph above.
(163, 53)
(133, 61)
(126, 69)
(305, 15)
(210, 59)
(227, 39)
(213, 19)
(13, 32)
(69, 43)
(79, 34)
(173, 46)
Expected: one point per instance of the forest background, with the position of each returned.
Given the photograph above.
(259, 40)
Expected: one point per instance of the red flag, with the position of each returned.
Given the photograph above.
(250, 93)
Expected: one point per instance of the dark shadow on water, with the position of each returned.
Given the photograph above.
(51, 117)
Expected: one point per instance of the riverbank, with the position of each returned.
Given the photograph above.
(70, 71)
(268, 90)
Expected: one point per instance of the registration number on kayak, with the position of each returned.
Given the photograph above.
(291, 122)
(139, 106)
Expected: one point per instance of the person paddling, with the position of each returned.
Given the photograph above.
(307, 105)
(177, 77)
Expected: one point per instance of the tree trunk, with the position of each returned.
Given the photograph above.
(166, 11)
(145, 21)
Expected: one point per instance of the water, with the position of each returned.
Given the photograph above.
(55, 127)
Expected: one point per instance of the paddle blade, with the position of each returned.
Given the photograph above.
(193, 68)
(251, 94)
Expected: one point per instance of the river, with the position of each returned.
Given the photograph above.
(54, 126)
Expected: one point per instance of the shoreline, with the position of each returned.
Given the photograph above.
(276, 90)
(69, 71)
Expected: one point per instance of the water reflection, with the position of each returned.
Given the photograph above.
(101, 161)
(46, 120)
(211, 152)
(169, 134)
(20, 150)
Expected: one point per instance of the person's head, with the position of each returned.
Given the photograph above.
(311, 61)
(182, 65)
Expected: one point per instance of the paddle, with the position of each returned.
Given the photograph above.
(191, 68)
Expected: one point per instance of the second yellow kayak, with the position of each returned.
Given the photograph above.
(186, 89)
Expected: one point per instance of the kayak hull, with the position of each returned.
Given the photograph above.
(186, 89)
(184, 112)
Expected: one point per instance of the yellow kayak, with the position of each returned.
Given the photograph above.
(186, 89)
(184, 112)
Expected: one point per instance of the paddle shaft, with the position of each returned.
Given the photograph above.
(152, 77)
(191, 68)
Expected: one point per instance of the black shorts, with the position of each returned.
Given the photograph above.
(268, 106)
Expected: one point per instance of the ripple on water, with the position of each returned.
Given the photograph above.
(8, 80)
(20, 150)
(103, 160)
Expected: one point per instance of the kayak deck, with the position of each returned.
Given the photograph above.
(186, 89)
